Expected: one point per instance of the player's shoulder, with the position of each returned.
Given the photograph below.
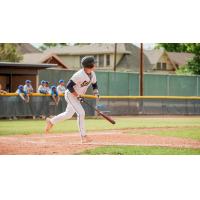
(79, 73)
(93, 73)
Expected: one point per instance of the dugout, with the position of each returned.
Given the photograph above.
(13, 74)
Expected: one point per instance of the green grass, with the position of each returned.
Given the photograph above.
(186, 132)
(135, 150)
(37, 126)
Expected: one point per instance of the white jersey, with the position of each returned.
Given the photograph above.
(83, 81)
(28, 89)
(61, 89)
(42, 89)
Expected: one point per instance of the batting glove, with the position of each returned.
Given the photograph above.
(81, 99)
(96, 93)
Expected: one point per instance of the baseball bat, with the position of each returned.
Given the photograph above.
(100, 113)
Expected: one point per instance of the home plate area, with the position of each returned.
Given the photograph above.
(64, 144)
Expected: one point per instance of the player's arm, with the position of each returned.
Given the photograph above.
(70, 87)
(95, 87)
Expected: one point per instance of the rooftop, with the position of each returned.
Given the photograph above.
(25, 65)
(94, 48)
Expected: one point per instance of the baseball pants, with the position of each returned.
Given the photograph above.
(73, 106)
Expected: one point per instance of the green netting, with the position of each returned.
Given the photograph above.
(198, 86)
(127, 84)
(133, 85)
(155, 85)
(103, 82)
(182, 85)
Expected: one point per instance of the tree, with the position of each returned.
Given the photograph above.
(8, 52)
(51, 45)
(193, 65)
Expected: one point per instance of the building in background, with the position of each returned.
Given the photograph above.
(164, 62)
(127, 57)
(103, 53)
(14, 74)
(43, 58)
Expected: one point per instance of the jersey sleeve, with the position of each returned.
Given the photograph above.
(75, 78)
(94, 79)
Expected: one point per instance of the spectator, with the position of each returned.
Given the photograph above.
(54, 94)
(28, 87)
(61, 87)
(23, 94)
(47, 87)
(1, 90)
(42, 88)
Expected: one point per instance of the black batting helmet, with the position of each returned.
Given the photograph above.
(88, 61)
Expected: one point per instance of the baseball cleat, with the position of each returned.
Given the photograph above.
(49, 125)
(85, 139)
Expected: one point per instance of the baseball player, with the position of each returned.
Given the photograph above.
(28, 87)
(77, 86)
(42, 88)
(47, 87)
(61, 87)
(22, 93)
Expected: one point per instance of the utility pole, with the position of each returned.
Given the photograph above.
(115, 56)
(141, 70)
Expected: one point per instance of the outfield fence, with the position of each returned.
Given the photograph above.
(11, 105)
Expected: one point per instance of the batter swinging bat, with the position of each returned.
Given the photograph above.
(100, 113)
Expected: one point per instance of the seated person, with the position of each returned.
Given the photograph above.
(23, 94)
(42, 88)
(47, 86)
(54, 94)
(61, 87)
(1, 90)
(28, 87)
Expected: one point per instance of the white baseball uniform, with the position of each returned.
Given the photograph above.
(82, 81)
(28, 88)
(61, 89)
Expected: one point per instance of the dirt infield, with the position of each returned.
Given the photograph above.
(63, 144)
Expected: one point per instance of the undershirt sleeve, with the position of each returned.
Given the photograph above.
(70, 86)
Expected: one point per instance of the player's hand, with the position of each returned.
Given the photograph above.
(96, 94)
(81, 99)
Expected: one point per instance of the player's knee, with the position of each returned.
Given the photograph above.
(81, 113)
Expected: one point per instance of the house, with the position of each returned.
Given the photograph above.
(13, 74)
(131, 62)
(165, 62)
(180, 59)
(42, 58)
(127, 57)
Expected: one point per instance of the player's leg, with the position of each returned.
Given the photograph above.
(69, 112)
(80, 116)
